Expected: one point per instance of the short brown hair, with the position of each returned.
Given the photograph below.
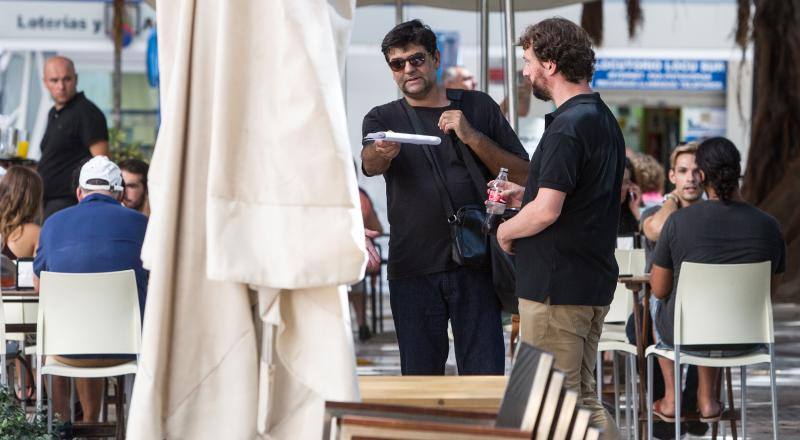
(564, 43)
(688, 148)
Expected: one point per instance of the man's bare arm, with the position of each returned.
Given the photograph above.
(535, 217)
(377, 157)
(99, 148)
(652, 225)
(660, 281)
(495, 158)
(485, 148)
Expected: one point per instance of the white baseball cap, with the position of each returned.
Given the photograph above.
(101, 168)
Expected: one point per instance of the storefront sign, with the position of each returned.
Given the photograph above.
(29, 19)
(656, 74)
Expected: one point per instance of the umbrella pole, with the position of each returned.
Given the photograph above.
(398, 11)
(511, 64)
(485, 46)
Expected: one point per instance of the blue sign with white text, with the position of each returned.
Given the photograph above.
(656, 74)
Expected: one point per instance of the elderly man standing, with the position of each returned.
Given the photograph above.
(76, 130)
(97, 235)
(565, 234)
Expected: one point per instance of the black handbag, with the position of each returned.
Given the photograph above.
(471, 247)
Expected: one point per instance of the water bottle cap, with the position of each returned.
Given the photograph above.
(503, 169)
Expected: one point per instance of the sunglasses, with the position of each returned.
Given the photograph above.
(398, 64)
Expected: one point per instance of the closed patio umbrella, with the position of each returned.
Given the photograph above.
(255, 224)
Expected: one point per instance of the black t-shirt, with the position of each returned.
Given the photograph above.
(419, 242)
(70, 131)
(582, 154)
(714, 232)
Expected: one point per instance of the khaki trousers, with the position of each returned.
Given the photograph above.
(571, 333)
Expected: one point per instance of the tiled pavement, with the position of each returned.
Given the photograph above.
(379, 355)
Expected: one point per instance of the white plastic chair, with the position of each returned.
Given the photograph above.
(93, 313)
(739, 295)
(614, 339)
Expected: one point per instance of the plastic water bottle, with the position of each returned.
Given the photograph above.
(495, 204)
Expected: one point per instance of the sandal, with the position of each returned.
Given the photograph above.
(714, 417)
(657, 412)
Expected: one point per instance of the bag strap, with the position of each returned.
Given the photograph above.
(478, 179)
(441, 188)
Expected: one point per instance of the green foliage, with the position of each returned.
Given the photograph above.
(14, 423)
(120, 149)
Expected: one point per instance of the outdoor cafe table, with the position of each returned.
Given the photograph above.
(479, 393)
(21, 297)
(640, 284)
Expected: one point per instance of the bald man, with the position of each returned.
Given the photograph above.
(76, 130)
(458, 77)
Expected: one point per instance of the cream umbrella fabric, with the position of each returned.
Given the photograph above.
(255, 224)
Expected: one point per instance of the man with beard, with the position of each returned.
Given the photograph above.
(564, 235)
(427, 288)
(134, 176)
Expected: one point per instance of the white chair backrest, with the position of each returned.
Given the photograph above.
(621, 305)
(723, 304)
(637, 262)
(88, 313)
(623, 257)
(20, 312)
(630, 261)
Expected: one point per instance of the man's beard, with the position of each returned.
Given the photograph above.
(135, 205)
(426, 88)
(541, 92)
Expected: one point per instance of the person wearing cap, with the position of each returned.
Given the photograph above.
(96, 235)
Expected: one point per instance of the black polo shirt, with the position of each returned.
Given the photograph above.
(582, 154)
(70, 131)
(419, 242)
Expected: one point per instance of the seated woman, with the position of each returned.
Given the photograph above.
(723, 230)
(20, 212)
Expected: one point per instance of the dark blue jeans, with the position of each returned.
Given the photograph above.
(421, 307)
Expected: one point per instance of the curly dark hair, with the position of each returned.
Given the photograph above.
(564, 43)
(721, 163)
(410, 32)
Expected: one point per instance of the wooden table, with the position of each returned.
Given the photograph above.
(482, 393)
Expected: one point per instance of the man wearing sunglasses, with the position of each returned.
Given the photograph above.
(427, 287)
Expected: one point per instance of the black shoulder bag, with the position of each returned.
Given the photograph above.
(469, 245)
(465, 224)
